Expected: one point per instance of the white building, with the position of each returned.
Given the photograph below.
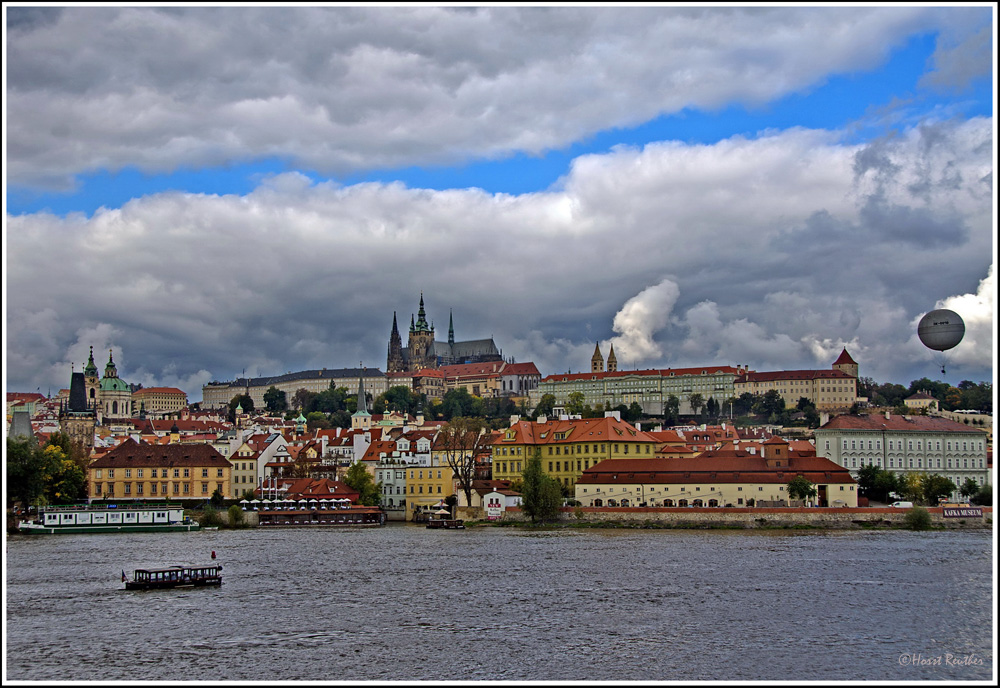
(906, 444)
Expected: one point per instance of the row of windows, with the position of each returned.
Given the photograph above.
(420, 489)
(429, 476)
(155, 473)
(899, 462)
(898, 444)
(154, 488)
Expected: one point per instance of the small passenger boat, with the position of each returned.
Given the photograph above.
(174, 577)
(449, 523)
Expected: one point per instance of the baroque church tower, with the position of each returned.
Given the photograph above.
(91, 382)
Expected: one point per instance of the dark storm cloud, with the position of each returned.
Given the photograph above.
(340, 89)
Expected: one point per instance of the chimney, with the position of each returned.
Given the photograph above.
(514, 419)
(541, 419)
(887, 415)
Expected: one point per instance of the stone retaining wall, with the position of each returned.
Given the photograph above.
(788, 517)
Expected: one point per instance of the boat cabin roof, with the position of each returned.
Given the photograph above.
(169, 569)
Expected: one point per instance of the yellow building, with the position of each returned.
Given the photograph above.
(159, 400)
(426, 486)
(717, 479)
(568, 447)
(166, 471)
(828, 390)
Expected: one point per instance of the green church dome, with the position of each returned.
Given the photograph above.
(114, 384)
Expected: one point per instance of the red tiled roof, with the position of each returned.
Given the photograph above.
(798, 375)
(664, 372)
(132, 454)
(158, 390)
(844, 358)
(897, 423)
(527, 368)
(472, 369)
(26, 397)
(734, 467)
(608, 429)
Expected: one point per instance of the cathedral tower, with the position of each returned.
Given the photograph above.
(394, 362)
(421, 344)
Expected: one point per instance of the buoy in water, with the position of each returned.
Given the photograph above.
(213, 554)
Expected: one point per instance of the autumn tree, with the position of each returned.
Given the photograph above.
(460, 443)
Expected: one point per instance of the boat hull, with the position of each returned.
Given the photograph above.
(133, 585)
(34, 529)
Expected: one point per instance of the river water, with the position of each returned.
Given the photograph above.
(405, 603)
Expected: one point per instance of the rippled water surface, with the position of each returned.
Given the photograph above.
(406, 603)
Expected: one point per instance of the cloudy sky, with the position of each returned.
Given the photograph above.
(207, 190)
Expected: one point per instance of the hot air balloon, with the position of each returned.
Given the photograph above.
(941, 330)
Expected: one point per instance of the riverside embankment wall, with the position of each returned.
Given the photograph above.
(744, 517)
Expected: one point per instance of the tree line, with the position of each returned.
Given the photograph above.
(879, 484)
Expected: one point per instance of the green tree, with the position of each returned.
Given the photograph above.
(935, 487)
(574, 403)
(358, 478)
(317, 420)
(545, 405)
(969, 488)
(983, 497)
(800, 487)
(712, 408)
(634, 413)
(696, 401)
(541, 494)
(302, 398)
(274, 400)
(885, 485)
(400, 398)
(772, 403)
(217, 498)
(243, 400)
(458, 402)
(876, 483)
(671, 410)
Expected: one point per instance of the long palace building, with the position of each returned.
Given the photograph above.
(832, 389)
(219, 394)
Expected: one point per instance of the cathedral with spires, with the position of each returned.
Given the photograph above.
(422, 351)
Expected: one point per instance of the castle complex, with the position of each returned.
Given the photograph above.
(423, 352)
